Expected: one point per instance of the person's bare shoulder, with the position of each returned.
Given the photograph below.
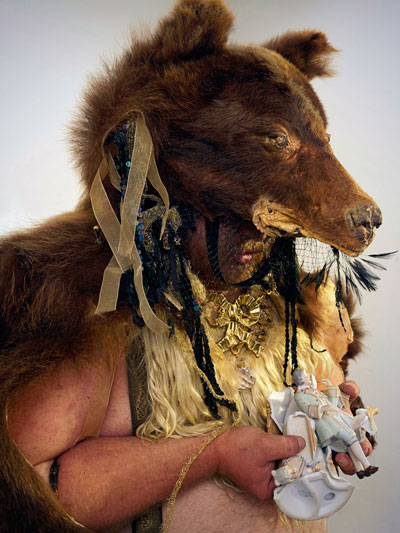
(47, 417)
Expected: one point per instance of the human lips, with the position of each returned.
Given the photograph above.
(245, 257)
(251, 250)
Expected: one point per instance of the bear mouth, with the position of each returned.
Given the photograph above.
(275, 220)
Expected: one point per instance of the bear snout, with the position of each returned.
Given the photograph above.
(363, 221)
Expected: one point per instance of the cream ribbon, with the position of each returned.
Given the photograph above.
(121, 236)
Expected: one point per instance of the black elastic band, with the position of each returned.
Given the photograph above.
(257, 278)
(53, 475)
(150, 521)
(212, 230)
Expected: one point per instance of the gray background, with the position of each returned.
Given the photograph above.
(47, 50)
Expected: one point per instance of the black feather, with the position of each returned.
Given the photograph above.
(387, 255)
(373, 264)
(366, 278)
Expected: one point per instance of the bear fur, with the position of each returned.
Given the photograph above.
(212, 110)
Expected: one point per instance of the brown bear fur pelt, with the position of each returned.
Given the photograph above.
(50, 279)
(205, 105)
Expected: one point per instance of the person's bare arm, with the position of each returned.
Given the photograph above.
(108, 480)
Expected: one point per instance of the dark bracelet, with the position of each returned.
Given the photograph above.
(53, 475)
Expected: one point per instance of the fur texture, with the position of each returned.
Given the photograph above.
(182, 411)
(49, 288)
(309, 50)
(214, 111)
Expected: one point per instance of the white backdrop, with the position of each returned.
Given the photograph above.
(47, 50)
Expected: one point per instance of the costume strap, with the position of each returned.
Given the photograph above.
(99, 401)
(212, 231)
(91, 427)
(151, 520)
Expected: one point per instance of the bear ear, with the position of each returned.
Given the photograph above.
(308, 50)
(194, 28)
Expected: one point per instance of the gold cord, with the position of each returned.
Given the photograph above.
(210, 438)
(179, 482)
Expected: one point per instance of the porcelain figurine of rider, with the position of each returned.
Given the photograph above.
(330, 425)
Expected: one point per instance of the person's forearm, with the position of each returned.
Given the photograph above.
(108, 480)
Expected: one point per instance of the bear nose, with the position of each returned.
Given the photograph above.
(366, 217)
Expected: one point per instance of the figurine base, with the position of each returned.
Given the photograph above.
(313, 497)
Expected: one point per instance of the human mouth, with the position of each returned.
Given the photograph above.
(245, 258)
(249, 253)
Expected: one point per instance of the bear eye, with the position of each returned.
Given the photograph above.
(280, 141)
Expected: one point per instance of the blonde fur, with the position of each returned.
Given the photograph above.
(175, 387)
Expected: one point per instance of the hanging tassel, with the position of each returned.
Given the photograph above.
(338, 290)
